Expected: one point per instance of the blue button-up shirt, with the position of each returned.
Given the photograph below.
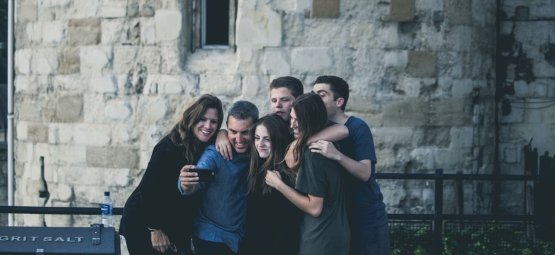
(223, 209)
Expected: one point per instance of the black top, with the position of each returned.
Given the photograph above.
(156, 203)
(272, 226)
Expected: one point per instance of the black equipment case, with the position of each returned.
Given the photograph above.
(96, 240)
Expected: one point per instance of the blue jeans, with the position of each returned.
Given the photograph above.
(203, 247)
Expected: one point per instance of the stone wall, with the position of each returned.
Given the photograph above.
(526, 89)
(98, 83)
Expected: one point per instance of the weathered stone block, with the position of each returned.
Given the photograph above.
(27, 109)
(462, 137)
(124, 58)
(44, 61)
(84, 32)
(458, 12)
(71, 155)
(113, 8)
(70, 83)
(26, 10)
(276, 62)
(154, 110)
(325, 8)
(118, 110)
(422, 64)
(401, 10)
(148, 33)
(151, 59)
(95, 59)
(409, 112)
(450, 112)
(112, 31)
(23, 61)
(112, 157)
(37, 133)
(311, 59)
(103, 84)
(70, 60)
(53, 32)
(261, 27)
(168, 25)
(220, 84)
(88, 134)
(69, 109)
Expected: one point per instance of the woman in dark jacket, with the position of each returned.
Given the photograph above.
(272, 226)
(156, 218)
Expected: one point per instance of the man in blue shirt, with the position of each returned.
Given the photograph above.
(367, 215)
(219, 225)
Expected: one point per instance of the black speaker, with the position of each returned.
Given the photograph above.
(96, 240)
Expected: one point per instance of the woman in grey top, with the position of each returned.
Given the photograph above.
(319, 190)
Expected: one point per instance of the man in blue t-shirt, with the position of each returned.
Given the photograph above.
(367, 215)
(219, 225)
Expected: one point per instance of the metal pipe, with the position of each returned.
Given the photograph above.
(9, 137)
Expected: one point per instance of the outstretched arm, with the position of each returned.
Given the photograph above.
(223, 146)
(359, 169)
(309, 204)
(333, 133)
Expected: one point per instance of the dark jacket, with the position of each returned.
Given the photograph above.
(156, 203)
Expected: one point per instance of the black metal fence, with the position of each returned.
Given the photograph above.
(440, 233)
(435, 233)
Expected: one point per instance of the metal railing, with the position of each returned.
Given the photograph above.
(437, 218)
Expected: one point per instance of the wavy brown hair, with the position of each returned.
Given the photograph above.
(311, 118)
(280, 137)
(182, 134)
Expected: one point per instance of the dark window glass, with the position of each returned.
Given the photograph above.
(217, 22)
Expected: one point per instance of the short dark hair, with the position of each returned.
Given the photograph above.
(243, 110)
(338, 86)
(289, 82)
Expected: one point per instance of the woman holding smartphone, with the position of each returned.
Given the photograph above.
(319, 190)
(156, 218)
(272, 225)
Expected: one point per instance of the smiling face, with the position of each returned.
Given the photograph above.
(262, 141)
(207, 125)
(281, 102)
(238, 133)
(294, 124)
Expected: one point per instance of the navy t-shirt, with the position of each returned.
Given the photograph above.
(365, 200)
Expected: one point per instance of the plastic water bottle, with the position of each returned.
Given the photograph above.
(106, 210)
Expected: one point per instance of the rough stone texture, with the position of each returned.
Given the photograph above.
(69, 109)
(98, 83)
(112, 157)
(401, 10)
(84, 32)
(422, 64)
(325, 8)
(70, 61)
(168, 25)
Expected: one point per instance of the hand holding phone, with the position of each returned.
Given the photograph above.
(204, 174)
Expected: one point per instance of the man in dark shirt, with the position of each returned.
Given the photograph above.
(367, 215)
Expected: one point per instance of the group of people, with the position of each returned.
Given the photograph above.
(297, 181)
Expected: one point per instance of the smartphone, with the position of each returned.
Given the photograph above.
(204, 174)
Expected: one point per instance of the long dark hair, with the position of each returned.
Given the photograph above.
(182, 133)
(311, 118)
(279, 138)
